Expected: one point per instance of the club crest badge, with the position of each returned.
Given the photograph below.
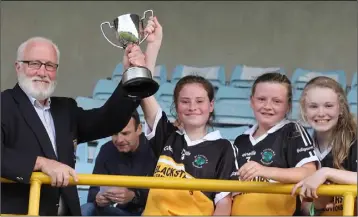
(199, 161)
(267, 156)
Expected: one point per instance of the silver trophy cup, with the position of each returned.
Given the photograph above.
(129, 29)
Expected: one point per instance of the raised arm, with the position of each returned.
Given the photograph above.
(150, 105)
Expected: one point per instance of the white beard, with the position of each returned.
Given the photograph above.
(39, 91)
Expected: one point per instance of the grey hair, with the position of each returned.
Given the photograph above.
(21, 49)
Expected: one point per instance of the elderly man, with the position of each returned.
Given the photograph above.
(127, 154)
(40, 132)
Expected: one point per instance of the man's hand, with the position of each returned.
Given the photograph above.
(133, 56)
(59, 173)
(120, 195)
(101, 200)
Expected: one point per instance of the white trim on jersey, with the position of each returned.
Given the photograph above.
(273, 129)
(212, 136)
(305, 137)
(150, 133)
(236, 153)
(307, 141)
(220, 196)
(308, 160)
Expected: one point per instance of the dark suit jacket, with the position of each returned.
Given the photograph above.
(23, 138)
(141, 162)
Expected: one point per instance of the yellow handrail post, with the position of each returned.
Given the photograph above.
(348, 204)
(34, 200)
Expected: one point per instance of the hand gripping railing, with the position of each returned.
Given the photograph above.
(349, 192)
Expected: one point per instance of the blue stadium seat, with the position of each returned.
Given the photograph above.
(300, 78)
(100, 143)
(82, 153)
(354, 81)
(230, 133)
(166, 107)
(117, 72)
(159, 74)
(83, 168)
(352, 99)
(141, 114)
(85, 163)
(244, 76)
(239, 113)
(104, 89)
(82, 193)
(89, 103)
(215, 74)
(353, 109)
(296, 112)
(229, 94)
(352, 96)
(165, 92)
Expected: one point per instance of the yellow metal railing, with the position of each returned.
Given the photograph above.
(349, 192)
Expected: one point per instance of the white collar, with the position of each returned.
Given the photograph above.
(321, 155)
(212, 136)
(273, 129)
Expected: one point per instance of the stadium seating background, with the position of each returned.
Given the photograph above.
(298, 38)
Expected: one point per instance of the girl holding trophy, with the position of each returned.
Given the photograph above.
(186, 149)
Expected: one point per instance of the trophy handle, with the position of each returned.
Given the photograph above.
(104, 35)
(144, 16)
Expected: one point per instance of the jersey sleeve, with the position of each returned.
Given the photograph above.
(298, 146)
(226, 166)
(158, 136)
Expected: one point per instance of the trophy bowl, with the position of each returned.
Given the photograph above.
(129, 29)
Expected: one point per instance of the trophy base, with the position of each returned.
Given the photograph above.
(138, 82)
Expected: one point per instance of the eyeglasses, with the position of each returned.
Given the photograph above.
(37, 65)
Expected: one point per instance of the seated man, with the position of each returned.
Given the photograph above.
(127, 154)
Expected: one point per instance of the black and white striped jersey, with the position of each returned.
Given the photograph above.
(210, 157)
(286, 145)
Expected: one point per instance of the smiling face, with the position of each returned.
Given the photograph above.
(194, 106)
(194, 102)
(270, 103)
(39, 81)
(321, 108)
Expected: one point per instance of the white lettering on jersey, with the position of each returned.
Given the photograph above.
(168, 148)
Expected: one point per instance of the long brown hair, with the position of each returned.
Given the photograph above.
(344, 133)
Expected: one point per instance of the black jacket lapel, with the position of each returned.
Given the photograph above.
(61, 123)
(33, 120)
